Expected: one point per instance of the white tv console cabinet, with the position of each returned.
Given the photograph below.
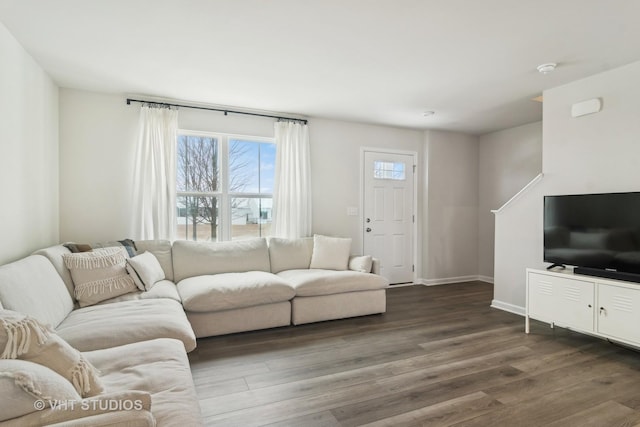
(602, 307)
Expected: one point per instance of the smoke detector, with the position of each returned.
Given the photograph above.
(546, 68)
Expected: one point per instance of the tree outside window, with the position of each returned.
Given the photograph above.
(224, 186)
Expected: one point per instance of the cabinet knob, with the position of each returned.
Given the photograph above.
(603, 311)
(589, 305)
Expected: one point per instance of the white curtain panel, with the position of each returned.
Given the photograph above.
(154, 193)
(292, 186)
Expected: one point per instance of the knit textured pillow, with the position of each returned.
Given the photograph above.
(26, 387)
(24, 338)
(99, 275)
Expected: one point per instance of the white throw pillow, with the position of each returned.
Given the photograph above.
(146, 271)
(290, 254)
(24, 386)
(99, 275)
(361, 263)
(330, 253)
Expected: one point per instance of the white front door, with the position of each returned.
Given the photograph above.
(389, 213)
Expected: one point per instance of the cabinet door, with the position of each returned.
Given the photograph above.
(619, 312)
(541, 297)
(565, 301)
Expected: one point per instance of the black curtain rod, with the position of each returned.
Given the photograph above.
(303, 121)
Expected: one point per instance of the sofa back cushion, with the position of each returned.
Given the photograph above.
(33, 286)
(199, 258)
(54, 255)
(162, 250)
(290, 254)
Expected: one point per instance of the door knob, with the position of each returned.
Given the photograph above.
(368, 230)
(368, 220)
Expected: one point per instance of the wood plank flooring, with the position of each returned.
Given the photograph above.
(440, 356)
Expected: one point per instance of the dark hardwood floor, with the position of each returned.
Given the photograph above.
(440, 356)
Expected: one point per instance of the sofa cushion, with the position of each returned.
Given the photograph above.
(162, 289)
(54, 255)
(362, 263)
(110, 325)
(159, 367)
(233, 290)
(32, 286)
(330, 253)
(162, 249)
(192, 259)
(22, 383)
(127, 244)
(326, 282)
(99, 275)
(145, 270)
(290, 254)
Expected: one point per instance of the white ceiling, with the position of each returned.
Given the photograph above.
(377, 61)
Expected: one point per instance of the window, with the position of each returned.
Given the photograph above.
(224, 186)
(389, 170)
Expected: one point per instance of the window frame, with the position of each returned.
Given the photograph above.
(223, 194)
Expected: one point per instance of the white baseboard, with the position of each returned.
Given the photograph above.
(403, 285)
(449, 280)
(505, 306)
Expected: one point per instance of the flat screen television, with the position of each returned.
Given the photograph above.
(599, 234)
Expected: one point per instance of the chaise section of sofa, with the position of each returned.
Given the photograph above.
(146, 383)
(325, 294)
(328, 295)
(159, 367)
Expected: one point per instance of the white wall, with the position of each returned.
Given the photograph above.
(450, 210)
(97, 148)
(28, 153)
(508, 160)
(335, 164)
(595, 153)
(98, 134)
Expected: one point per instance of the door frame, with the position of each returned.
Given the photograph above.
(415, 228)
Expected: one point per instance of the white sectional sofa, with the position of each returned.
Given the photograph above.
(139, 340)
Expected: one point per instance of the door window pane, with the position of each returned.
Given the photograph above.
(389, 170)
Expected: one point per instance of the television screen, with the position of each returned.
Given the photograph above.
(599, 231)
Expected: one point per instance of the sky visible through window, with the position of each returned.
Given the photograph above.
(252, 166)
